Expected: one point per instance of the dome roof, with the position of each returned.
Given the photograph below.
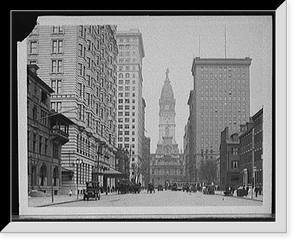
(167, 90)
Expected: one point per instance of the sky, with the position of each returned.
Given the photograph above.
(173, 41)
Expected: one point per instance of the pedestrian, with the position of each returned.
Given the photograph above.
(70, 192)
(256, 191)
(259, 189)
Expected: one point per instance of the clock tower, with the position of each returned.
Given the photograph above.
(167, 119)
(167, 165)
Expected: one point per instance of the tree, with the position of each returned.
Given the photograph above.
(208, 171)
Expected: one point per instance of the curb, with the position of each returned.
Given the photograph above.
(64, 202)
(56, 203)
(241, 197)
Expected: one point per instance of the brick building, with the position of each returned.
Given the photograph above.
(229, 159)
(251, 151)
(47, 132)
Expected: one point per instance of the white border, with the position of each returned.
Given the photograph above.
(278, 226)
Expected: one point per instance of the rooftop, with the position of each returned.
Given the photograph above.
(220, 61)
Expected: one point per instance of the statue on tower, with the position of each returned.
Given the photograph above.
(167, 74)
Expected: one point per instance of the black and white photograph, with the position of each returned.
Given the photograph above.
(148, 118)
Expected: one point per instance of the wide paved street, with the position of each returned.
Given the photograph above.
(163, 198)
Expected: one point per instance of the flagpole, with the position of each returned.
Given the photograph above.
(225, 41)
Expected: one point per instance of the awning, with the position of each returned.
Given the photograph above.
(65, 170)
(113, 174)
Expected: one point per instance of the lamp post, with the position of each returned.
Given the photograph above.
(76, 162)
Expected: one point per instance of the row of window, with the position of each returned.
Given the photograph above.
(125, 139)
(126, 94)
(107, 36)
(168, 172)
(127, 53)
(222, 75)
(126, 75)
(207, 104)
(56, 46)
(126, 126)
(230, 98)
(126, 88)
(91, 120)
(56, 30)
(41, 145)
(126, 100)
(126, 120)
(220, 116)
(223, 69)
(212, 110)
(125, 146)
(120, 133)
(221, 92)
(127, 68)
(127, 40)
(127, 60)
(94, 60)
(126, 113)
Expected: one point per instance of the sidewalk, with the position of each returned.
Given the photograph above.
(249, 197)
(58, 199)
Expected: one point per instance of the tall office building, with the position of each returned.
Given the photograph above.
(130, 101)
(220, 98)
(79, 64)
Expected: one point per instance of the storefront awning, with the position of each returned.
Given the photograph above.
(65, 170)
(113, 174)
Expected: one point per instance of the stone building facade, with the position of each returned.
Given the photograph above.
(78, 62)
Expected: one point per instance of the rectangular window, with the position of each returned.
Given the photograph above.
(46, 146)
(56, 85)
(55, 150)
(41, 145)
(57, 29)
(56, 66)
(235, 150)
(57, 46)
(33, 47)
(33, 142)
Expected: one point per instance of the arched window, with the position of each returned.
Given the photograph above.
(43, 175)
(127, 75)
(120, 75)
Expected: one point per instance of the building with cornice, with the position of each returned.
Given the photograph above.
(167, 165)
(220, 98)
(78, 62)
(130, 102)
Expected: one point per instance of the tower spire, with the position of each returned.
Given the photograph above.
(167, 74)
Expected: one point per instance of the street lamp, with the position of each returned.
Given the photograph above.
(77, 162)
